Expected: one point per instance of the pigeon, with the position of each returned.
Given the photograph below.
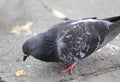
(72, 41)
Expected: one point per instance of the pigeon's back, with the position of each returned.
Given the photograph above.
(77, 39)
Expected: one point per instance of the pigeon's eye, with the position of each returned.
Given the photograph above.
(30, 50)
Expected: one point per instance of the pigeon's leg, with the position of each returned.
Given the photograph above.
(70, 68)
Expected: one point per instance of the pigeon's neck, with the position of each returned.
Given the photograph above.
(49, 50)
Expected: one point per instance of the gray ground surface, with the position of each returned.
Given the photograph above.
(99, 67)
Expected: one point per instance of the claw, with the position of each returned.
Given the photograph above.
(70, 68)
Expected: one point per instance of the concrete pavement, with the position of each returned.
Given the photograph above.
(99, 67)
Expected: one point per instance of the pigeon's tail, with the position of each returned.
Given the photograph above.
(114, 29)
(115, 26)
(113, 19)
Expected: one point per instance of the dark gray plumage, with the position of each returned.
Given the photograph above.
(73, 40)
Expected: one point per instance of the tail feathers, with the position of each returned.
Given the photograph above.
(115, 26)
(89, 18)
(113, 19)
(114, 29)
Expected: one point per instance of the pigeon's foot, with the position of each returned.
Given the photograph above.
(70, 68)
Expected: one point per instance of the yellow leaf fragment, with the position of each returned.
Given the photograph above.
(26, 27)
(15, 30)
(56, 13)
(22, 29)
(59, 14)
(47, 6)
(99, 51)
(20, 73)
(73, 81)
(117, 38)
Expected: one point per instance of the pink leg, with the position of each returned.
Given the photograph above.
(70, 68)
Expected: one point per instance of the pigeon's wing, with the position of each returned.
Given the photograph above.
(79, 39)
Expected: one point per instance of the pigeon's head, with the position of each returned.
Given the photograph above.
(33, 46)
(41, 47)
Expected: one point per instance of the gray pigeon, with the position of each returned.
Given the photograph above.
(72, 40)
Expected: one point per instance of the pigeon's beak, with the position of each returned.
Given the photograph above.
(24, 57)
